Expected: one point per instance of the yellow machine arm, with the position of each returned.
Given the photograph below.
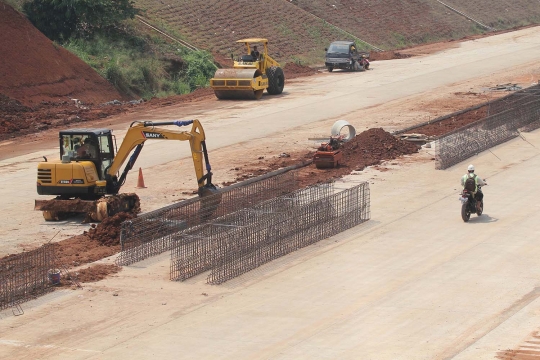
(139, 132)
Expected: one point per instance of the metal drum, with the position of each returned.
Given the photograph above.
(236, 84)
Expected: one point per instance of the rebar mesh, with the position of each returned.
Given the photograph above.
(514, 100)
(246, 239)
(479, 136)
(150, 234)
(25, 276)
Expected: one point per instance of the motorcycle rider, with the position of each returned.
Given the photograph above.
(478, 181)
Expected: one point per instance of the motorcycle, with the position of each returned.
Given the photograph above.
(364, 62)
(469, 205)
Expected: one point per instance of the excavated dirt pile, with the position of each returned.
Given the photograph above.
(368, 148)
(452, 123)
(90, 274)
(34, 69)
(373, 146)
(99, 242)
(107, 233)
(293, 70)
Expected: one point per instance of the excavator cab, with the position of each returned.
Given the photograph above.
(85, 154)
(95, 145)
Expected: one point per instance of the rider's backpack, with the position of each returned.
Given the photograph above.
(470, 183)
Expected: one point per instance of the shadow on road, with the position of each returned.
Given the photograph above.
(485, 218)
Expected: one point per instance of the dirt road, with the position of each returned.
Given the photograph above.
(393, 95)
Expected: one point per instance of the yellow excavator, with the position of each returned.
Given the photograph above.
(86, 178)
(252, 73)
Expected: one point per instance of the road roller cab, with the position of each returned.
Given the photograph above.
(250, 76)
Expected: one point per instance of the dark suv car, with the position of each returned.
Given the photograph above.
(344, 55)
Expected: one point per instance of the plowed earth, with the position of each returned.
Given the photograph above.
(302, 28)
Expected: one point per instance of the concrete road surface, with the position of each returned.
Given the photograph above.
(307, 103)
(415, 282)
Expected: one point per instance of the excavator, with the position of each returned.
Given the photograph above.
(87, 177)
(250, 75)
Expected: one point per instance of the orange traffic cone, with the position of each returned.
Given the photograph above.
(140, 180)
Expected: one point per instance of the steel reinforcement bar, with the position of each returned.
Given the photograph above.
(25, 276)
(150, 234)
(191, 251)
(494, 107)
(481, 135)
(249, 238)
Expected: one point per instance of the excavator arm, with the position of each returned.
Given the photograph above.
(137, 135)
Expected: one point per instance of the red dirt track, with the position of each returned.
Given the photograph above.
(34, 69)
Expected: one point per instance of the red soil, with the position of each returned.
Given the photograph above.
(34, 69)
(455, 122)
(366, 149)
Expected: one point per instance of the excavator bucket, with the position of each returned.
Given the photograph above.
(247, 84)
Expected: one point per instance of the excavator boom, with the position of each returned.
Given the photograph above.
(139, 132)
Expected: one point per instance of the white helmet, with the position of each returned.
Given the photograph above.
(470, 168)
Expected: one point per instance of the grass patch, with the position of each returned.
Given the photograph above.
(142, 65)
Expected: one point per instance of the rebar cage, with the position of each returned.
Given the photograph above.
(522, 114)
(25, 276)
(150, 234)
(241, 241)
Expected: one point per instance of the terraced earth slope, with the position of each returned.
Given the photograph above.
(393, 24)
(300, 29)
(34, 69)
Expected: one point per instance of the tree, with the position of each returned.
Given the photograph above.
(60, 19)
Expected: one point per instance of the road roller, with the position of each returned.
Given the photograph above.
(252, 74)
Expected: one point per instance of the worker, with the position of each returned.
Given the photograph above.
(472, 185)
(87, 150)
(255, 53)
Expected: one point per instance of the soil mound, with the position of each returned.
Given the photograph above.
(96, 272)
(372, 146)
(107, 232)
(34, 69)
(366, 149)
(293, 70)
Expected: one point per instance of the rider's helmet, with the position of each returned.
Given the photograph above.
(470, 168)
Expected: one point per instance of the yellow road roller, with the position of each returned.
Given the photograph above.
(252, 73)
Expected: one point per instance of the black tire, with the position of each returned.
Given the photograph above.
(330, 69)
(465, 214)
(276, 80)
(480, 210)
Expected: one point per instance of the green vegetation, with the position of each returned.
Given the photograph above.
(62, 19)
(100, 33)
(143, 66)
(16, 4)
(399, 41)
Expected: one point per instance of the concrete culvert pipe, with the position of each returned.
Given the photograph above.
(342, 127)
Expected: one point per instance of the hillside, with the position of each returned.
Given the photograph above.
(293, 33)
(34, 69)
(393, 24)
(300, 29)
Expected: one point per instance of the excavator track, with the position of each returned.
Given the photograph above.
(95, 210)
